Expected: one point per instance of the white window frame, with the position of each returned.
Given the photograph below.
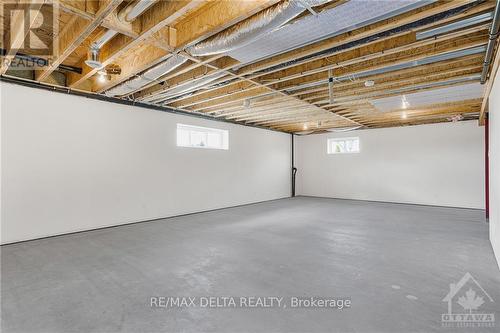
(224, 136)
(330, 151)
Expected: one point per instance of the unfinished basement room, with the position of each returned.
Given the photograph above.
(241, 166)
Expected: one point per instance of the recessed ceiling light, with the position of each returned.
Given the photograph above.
(369, 83)
(404, 115)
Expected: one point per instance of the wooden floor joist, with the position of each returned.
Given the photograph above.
(288, 90)
(363, 32)
(75, 35)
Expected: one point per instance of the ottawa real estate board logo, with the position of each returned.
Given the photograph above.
(465, 299)
(28, 30)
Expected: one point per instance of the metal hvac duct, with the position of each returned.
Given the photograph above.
(147, 77)
(455, 26)
(391, 68)
(132, 11)
(343, 129)
(184, 88)
(95, 49)
(491, 43)
(253, 28)
(128, 14)
(236, 36)
(411, 88)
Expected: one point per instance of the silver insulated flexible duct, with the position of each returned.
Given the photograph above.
(185, 88)
(128, 14)
(249, 30)
(132, 11)
(234, 37)
(147, 77)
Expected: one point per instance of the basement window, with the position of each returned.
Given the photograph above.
(343, 145)
(202, 137)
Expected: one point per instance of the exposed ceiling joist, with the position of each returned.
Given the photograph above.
(73, 36)
(211, 19)
(346, 39)
(134, 55)
(420, 48)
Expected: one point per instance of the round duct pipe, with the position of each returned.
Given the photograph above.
(136, 8)
(94, 62)
(249, 30)
(127, 14)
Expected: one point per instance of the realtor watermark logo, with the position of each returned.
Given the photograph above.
(249, 302)
(469, 294)
(29, 27)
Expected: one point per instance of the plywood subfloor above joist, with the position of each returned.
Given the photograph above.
(376, 65)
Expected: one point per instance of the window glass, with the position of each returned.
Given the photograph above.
(202, 137)
(343, 145)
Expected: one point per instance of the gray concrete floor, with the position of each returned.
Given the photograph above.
(395, 262)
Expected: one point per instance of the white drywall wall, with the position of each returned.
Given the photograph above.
(71, 163)
(494, 157)
(439, 164)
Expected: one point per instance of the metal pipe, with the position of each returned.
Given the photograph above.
(106, 37)
(127, 14)
(405, 28)
(132, 11)
(410, 64)
(495, 24)
(148, 76)
(294, 169)
(253, 28)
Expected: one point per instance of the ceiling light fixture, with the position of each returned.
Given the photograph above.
(101, 76)
(404, 115)
(304, 127)
(404, 102)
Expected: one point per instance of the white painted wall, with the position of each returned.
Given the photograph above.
(71, 164)
(494, 157)
(439, 164)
